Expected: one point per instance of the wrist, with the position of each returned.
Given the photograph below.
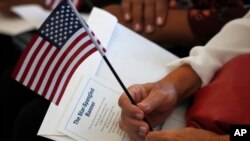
(185, 82)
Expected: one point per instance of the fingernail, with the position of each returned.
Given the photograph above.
(137, 27)
(159, 21)
(139, 116)
(127, 17)
(149, 28)
(206, 12)
(172, 3)
(143, 130)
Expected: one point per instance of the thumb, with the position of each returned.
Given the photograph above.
(151, 102)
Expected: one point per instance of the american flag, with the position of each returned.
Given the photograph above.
(53, 3)
(54, 53)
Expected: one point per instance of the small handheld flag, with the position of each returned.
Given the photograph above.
(54, 53)
(62, 43)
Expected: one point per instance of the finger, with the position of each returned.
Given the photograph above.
(149, 16)
(134, 135)
(126, 8)
(161, 11)
(137, 11)
(134, 124)
(133, 127)
(155, 99)
(129, 109)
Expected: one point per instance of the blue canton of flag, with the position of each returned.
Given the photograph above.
(60, 25)
(52, 56)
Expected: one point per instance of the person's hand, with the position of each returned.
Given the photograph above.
(155, 101)
(145, 14)
(186, 134)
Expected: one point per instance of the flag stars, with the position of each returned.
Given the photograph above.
(61, 26)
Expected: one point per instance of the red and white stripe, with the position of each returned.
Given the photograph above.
(47, 70)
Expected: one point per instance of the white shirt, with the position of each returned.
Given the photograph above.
(233, 40)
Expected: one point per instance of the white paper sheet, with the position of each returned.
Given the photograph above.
(34, 14)
(135, 59)
(93, 114)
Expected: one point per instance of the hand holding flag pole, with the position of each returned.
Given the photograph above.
(99, 48)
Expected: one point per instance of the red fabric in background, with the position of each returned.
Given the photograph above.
(225, 101)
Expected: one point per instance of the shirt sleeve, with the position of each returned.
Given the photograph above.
(233, 40)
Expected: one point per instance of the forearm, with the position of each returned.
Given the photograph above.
(184, 80)
(175, 30)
